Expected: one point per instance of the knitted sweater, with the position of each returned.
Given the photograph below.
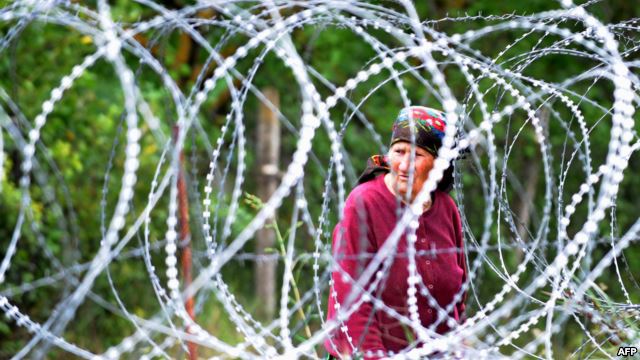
(371, 212)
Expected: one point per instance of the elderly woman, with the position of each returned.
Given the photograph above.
(371, 212)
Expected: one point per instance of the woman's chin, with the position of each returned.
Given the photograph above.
(402, 192)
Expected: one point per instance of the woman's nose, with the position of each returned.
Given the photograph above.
(404, 164)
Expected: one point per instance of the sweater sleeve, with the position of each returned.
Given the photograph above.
(351, 250)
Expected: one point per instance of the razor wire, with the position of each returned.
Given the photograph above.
(552, 284)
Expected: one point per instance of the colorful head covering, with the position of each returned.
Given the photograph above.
(428, 126)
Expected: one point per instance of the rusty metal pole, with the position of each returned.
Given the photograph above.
(185, 243)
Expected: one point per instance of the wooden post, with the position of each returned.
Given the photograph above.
(524, 207)
(185, 243)
(268, 138)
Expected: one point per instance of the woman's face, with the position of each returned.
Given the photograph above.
(400, 168)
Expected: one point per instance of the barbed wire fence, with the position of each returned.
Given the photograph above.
(552, 283)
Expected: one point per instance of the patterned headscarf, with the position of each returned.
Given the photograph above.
(428, 127)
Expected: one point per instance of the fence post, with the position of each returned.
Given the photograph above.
(185, 242)
(268, 138)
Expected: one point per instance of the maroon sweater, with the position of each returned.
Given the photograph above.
(370, 214)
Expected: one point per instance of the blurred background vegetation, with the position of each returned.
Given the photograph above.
(84, 136)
